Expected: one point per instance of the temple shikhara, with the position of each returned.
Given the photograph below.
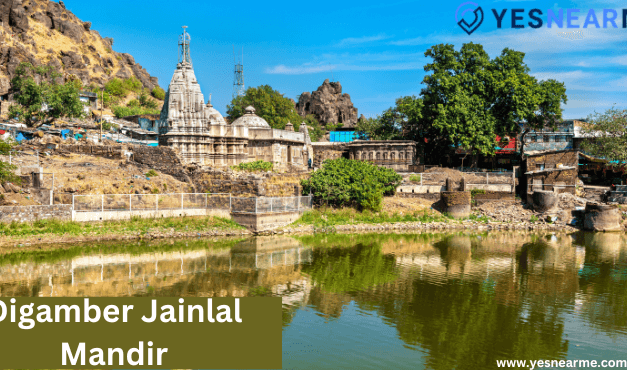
(201, 135)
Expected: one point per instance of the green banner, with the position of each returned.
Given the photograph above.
(144, 333)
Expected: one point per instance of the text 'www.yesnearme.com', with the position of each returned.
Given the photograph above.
(564, 364)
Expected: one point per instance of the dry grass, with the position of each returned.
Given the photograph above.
(97, 175)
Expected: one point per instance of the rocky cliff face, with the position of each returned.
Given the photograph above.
(44, 32)
(328, 104)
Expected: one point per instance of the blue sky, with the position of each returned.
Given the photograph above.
(375, 49)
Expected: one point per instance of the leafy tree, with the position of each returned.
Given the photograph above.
(39, 96)
(269, 104)
(64, 100)
(608, 135)
(315, 129)
(7, 173)
(469, 99)
(347, 182)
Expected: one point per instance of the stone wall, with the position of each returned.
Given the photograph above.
(324, 151)
(109, 151)
(265, 221)
(61, 212)
(569, 158)
(553, 179)
(163, 159)
(249, 184)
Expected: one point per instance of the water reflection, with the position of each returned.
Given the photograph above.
(464, 300)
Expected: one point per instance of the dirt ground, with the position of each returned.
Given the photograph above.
(400, 205)
(85, 174)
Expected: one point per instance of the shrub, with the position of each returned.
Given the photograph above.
(121, 111)
(346, 182)
(533, 218)
(151, 173)
(115, 87)
(158, 93)
(254, 166)
(414, 178)
(132, 84)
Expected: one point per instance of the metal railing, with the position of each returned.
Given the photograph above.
(472, 178)
(187, 201)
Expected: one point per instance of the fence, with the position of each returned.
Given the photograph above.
(184, 201)
(472, 178)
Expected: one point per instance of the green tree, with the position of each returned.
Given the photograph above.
(7, 171)
(347, 182)
(315, 129)
(607, 134)
(469, 99)
(64, 100)
(269, 104)
(39, 95)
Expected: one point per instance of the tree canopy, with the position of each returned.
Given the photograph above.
(608, 131)
(40, 97)
(468, 99)
(269, 104)
(7, 171)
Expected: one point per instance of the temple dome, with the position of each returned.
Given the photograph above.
(213, 116)
(250, 119)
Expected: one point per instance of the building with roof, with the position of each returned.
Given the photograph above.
(199, 133)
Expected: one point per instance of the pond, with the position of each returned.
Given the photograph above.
(432, 301)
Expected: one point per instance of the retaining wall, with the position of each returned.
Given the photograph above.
(61, 212)
(265, 221)
(127, 215)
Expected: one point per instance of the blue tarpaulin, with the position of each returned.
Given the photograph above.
(65, 133)
(20, 137)
(342, 136)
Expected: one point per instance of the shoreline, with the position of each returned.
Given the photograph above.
(422, 226)
(386, 227)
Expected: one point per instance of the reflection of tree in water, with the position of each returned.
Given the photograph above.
(604, 280)
(461, 324)
(350, 269)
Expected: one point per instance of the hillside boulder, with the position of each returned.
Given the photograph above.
(328, 104)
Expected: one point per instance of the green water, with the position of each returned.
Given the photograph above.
(427, 301)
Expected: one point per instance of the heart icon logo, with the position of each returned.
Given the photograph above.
(474, 8)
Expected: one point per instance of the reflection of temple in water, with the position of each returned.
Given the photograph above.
(495, 288)
(205, 272)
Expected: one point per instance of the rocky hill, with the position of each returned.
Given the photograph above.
(46, 33)
(328, 104)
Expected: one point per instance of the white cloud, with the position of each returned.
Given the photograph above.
(350, 41)
(385, 61)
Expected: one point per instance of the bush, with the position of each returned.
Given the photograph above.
(132, 84)
(151, 173)
(414, 178)
(254, 166)
(158, 93)
(346, 182)
(115, 87)
(121, 111)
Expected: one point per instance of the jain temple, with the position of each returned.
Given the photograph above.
(201, 135)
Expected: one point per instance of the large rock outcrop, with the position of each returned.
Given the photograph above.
(328, 104)
(44, 32)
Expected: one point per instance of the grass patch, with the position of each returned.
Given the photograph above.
(133, 226)
(327, 217)
(255, 166)
(414, 178)
(152, 173)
